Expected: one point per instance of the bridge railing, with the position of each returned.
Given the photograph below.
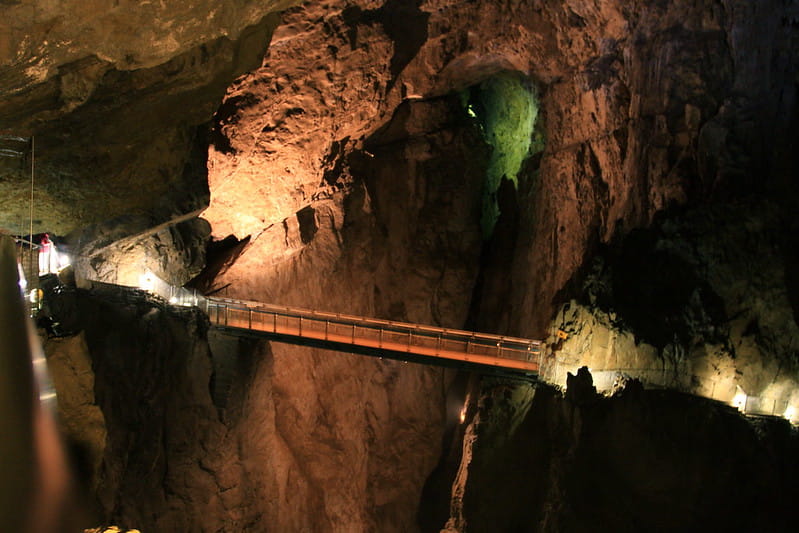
(396, 336)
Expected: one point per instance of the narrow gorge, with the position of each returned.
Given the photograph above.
(615, 179)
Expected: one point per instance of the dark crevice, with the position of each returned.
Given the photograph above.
(489, 303)
(219, 256)
(306, 217)
(224, 115)
(403, 22)
(434, 506)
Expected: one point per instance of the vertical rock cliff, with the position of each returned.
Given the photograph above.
(348, 167)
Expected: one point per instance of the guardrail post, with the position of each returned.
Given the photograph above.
(274, 322)
(300, 326)
(380, 339)
(438, 344)
(250, 318)
(353, 333)
(226, 315)
(327, 325)
(410, 339)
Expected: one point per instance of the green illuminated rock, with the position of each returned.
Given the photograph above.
(506, 107)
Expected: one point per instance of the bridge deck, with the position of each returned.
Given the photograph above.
(396, 340)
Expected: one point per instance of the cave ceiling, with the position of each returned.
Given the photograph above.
(113, 94)
(116, 121)
(144, 113)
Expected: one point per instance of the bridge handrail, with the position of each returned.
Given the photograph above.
(344, 319)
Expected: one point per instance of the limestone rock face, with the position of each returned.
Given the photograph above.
(656, 460)
(641, 108)
(112, 93)
(701, 301)
(346, 163)
(81, 419)
(173, 252)
(245, 438)
(355, 438)
(41, 37)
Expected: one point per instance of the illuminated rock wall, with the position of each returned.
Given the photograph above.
(701, 301)
(347, 160)
(643, 460)
(114, 94)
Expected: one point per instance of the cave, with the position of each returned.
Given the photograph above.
(604, 190)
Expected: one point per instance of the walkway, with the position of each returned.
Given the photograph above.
(382, 338)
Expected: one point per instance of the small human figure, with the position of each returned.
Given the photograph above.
(45, 248)
(48, 257)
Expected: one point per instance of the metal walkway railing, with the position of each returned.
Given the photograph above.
(384, 338)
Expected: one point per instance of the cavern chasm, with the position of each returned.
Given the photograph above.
(617, 180)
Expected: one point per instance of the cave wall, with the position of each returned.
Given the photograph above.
(699, 301)
(641, 460)
(345, 162)
(370, 428)
(113, 94)
(645, 108)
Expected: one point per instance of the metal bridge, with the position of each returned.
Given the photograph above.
(381, 338)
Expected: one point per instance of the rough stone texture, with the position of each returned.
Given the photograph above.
(174, 253)
(152, 383)
(644, 106)
(293, 450)
(113, 93)
(654, 460)
(79, 416)
(343, 166)
(701, 301)
(372, 429)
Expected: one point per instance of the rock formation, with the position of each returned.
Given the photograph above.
(653, 460)
(344, 156)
